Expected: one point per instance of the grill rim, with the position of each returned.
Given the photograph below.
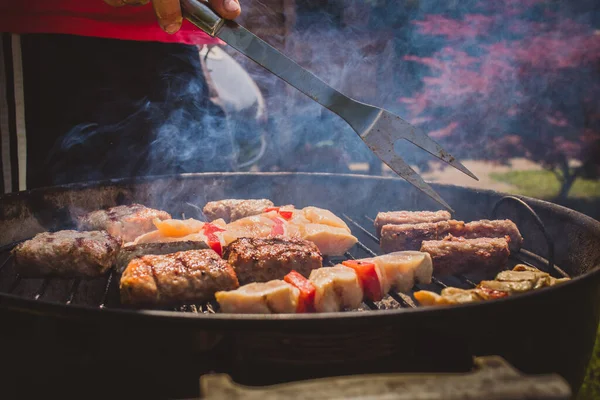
(33, 306)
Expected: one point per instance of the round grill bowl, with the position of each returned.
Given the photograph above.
(57, 335)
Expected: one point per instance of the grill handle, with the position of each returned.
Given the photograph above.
(493, 378)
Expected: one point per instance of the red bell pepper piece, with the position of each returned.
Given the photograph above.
(367, 276)
(213, 240)
(306, 301)
(283, 213)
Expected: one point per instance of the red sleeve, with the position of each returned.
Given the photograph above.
(92, 18)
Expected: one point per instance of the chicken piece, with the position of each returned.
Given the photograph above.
(321, 216)
(409, 217)
(126, 222)
(258, 226)
(337, 288)
(128, 253)
(410, 237)
(233, 209)
(459, 255)
(402, 270)
(67, 254)
(273, 297)
(331, 241)
(186, 277)
(261, 260)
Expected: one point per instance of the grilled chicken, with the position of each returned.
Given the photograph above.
(261, 260)
(67, 254)
(233, 209)
(331, 241)
(409, 217)
(457, 255)
(521, 279)
(126, 222)
(186, 277)
(321, 216)
(402, 270)
(337, 288)
(410, 237)
(273, 297)
(128, 253)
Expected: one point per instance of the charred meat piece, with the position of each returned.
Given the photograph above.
(126, 222)
(262, 260)
(186, 277)
(67, 254)
(273, 297)
(410, 237)
(234, 209)
(521, 279)
(408, 217)
(128, 253)
(458, 255)
(495, 228)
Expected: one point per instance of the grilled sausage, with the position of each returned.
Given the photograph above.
(409, 217)
(186, 277)
(67, 254)
(262, 260)
(126, 222)
(458, 255)
(410, 237)
(234, 209)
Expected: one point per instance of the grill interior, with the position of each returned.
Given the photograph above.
(104, 292)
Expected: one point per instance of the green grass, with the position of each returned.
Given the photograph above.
(545, 185)
(590, 390)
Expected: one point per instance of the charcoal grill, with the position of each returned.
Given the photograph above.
(73, 335)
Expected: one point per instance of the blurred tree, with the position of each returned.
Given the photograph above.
(513, 78)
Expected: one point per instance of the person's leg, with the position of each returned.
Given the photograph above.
(101, 108)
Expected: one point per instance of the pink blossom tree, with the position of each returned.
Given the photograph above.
(506, 84)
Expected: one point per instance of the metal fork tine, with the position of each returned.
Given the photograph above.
(398, 129)
(404, 170)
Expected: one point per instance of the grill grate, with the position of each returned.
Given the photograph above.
(103, 292)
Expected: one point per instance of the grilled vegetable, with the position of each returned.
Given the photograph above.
(306, 300)
(369, 276)
(337, 288)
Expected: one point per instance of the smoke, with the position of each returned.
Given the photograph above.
(438, 64)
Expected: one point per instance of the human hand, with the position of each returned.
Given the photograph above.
(168, 12)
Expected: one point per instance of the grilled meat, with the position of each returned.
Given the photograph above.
(402, 270)
(233, 209)
(128, 253)
(273, 297)
(410, 237)
(409, 217)
(261, 260)
(337, 288)
(126, 222)
(457, 255)
(331, 241)
(321, 216)
(494, 229)
(185, 277)
(521, 279)
(67, 254)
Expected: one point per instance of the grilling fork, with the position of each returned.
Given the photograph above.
(378, 128)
